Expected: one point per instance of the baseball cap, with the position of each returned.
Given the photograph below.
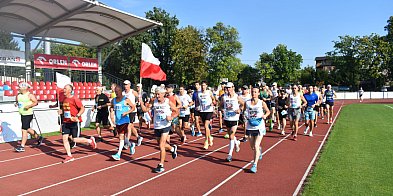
(139, 84)
(24, 85)
(245, 87)
(126, 82)
(223, 83)
(274, 84)
(169, 86)
(229, 85)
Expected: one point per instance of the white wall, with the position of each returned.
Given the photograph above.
(366, 95)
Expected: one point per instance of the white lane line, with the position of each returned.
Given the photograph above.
(103, 169)
(389, 106)
(248, 164)
(299, 186)
(173, 169)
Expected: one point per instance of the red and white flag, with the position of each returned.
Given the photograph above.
(150, 65)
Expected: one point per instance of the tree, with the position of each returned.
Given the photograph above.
(281, 66)
(189, 54)
(162, 39)
(223, 47)
(7, 42)
(248, 76)
(307, 75)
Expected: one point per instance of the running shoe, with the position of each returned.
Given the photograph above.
(226, 136)
(279, 127)
(139, 141)
(199, 134)
(116, 157)
(19, 149)
(132, 148)
(294, 138)
(261, 155)
(253, 169)
(306, 130)
(315, 125)
(229, 158)
(126, 146)
(221, 130)
(310, 134)
(174, 153)
(237, 146)
(39, 140)
(206, 145)
(282, 132)
(211, 141)
(68, 159)
(244, 139)
(192, 130)
(271, 128)
(93, 143)
(159, 169)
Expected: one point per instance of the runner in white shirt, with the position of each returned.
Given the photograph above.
(131, 95)
(206, 102)
(256, 111)
(184, 115)
(295, 104)
(232, 105)
(245, 96)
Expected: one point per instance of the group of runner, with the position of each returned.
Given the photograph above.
(253, 108)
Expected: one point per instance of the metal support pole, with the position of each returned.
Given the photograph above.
(99, 56)
(27, 41)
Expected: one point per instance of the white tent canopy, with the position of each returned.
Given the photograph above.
(85, 21)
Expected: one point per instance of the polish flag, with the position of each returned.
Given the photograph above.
(150, 65)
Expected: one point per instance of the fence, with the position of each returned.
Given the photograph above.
(366, 95)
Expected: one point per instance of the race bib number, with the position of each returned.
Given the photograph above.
(118, 107)
(67, 114)
(20, 105)
(230, 113)
(284, 112)
(309, 109)
(162, 117)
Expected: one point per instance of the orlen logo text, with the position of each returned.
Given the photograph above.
(42, 59)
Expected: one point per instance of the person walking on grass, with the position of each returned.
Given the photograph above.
(309, 113)
(295, 104)
(101, 105)
(25, 101)
(163, 110)
(256, 111)
(122, 107)
(72, 110)
(232, 105)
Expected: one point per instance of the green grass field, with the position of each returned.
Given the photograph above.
(358, 157)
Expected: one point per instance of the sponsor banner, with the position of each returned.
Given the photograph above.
(12, 58)
(50, 61)
(84, 64)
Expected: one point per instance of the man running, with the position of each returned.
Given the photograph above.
(131, 95)
(245, 96)
(184, 115)
(72, 110)
(206, 102)
(295, 104)
(101, 105)
(329, 94)
(256, 111)
(274, 92)
(231, 104)
(163, 110)
(196, 110)
(141, 114)
(174, 99)
(122, 107)
(318, 105)
(25, 101)
(282, 109)
(220, 115)
(309, 113)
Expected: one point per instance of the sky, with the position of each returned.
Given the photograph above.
(307, 27)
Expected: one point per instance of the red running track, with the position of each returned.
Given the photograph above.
(196, 171)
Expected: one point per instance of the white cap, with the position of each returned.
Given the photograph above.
(274, 84)
(24, 85)
(139, 84)
(160, 90)
(229, 84)
(126, 82)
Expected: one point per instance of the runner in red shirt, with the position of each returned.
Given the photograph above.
(72, 111)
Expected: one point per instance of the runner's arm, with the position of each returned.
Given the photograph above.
(266, 109)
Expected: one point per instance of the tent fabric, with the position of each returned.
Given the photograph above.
(86, 21)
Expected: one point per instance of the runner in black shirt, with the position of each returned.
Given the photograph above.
(101, 105)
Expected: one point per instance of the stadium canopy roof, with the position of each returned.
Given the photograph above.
(86, 21)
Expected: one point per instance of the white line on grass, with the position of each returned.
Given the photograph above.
(389, 106)
(299, 186)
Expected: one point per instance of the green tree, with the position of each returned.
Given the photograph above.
(188, 54)
(70, 50)
(7, 42)
(223, 47)
(248, 76)
(307, 75)
(162, 39)
(281, 66)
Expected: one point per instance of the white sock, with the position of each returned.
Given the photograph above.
(121, 145)
(231, 146)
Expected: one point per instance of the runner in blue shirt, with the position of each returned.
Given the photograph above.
(330, 94)
(309, 113)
